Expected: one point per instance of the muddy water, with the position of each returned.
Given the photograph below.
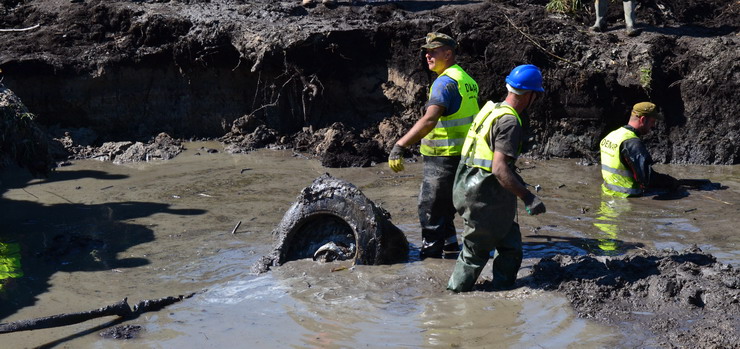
(95, 233)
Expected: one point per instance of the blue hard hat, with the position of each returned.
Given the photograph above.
(526, 77)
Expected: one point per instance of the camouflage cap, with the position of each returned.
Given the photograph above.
(435, 40)
(647, 109)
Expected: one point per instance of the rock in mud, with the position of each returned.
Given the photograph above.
(161, 147)
(678, 300)
(122, 332)
(332, 217)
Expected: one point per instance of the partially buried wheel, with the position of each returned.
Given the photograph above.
(333, 220)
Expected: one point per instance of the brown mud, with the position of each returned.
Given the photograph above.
(685, 299)
(95, 232)
(133, 78)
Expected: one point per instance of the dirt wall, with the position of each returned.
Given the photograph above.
(133, 69)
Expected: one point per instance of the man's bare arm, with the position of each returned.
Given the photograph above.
(506, 177)
(422, 127)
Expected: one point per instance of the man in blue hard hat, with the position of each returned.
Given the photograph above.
(486, 186)
(453, 102)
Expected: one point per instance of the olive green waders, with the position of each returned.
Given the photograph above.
(488, 211)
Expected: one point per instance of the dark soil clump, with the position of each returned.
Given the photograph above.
(122, 332)
(665, 298)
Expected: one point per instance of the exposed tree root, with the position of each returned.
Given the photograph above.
(121, 309)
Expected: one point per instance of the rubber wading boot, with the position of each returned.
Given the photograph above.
(601, 7)
(448, 249)
(431, 249)
(631, 31)
(598, 28)
(629, 18)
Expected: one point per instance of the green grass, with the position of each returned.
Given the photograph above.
(563, 6)
(646, 77)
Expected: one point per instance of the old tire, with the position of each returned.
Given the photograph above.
(334, 210)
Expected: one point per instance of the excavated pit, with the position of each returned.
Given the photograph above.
(343, 83)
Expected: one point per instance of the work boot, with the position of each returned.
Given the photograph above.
(307, 2)
(629, 14)
(632, 31)
(431, 249)
(598, 28)
(450, 250)
(601, 7)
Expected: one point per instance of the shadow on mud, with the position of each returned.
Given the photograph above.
(67, 237)
(693, 30)
(562, 245)
(694, 185)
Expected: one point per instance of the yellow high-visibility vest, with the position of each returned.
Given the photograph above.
(447, 137)
(618, 179)
(476, 151)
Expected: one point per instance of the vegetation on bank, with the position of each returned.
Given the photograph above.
(563, 6)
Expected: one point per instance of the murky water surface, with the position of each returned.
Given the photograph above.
(95, 233)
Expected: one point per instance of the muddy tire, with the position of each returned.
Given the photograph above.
(334, 210)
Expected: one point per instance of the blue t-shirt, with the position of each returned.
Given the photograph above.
(445, 94)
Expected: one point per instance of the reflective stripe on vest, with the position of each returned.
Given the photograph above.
(476, 152)
(447, 137)
(618, 179)
(457, 122)
(616, 171)
(457, 142)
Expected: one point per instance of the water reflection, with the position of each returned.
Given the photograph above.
(608, 216)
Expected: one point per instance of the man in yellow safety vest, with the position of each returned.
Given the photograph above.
(486, 186)
(453, 102)
(626, 165)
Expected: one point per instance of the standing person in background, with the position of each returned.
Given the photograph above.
(626, 165)
(453, 102)
(629, 17)
(487, 186)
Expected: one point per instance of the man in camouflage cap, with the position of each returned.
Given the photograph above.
(626, 165)
(452, 104)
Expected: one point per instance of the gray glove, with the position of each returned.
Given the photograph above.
(534, 205)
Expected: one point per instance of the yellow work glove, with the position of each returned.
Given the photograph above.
(395, 158)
